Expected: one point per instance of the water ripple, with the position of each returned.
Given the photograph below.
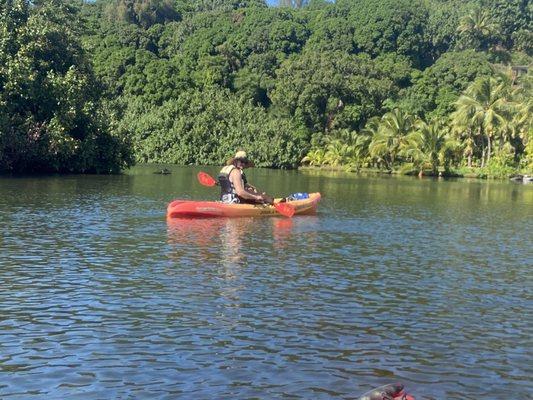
(395, 280)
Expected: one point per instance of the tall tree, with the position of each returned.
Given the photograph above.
(50, 98)
(390, 137)
(427, 146)
(333, 90)
(390, 26)
(477, 30)
(511, 16)
(144, 13)
(484, 108)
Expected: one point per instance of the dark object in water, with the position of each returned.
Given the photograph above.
(163, 171)
(522, 178)
(392, 391)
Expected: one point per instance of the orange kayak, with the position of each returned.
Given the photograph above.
(210, 209)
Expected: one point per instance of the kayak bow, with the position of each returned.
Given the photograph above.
(393, 391)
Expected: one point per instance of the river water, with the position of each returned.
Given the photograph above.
(424, 282)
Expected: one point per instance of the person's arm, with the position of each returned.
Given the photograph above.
(251, 188)
(238, 184)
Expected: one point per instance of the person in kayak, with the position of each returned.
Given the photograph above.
(234, 188)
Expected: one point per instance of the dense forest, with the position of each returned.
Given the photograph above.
(395, 85)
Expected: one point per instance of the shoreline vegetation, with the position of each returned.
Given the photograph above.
(472, 173)
(400, 86)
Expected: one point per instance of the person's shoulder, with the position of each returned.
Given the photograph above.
(227, 169)
(236, 172)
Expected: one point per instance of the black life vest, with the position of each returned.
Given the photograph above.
(227, 190)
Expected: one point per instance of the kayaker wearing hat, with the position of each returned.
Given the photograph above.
(234, 187)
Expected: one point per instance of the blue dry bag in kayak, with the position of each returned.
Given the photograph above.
(298, 196)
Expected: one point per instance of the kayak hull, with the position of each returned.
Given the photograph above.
(211, 209)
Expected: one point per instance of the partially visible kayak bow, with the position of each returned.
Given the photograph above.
(393, 391)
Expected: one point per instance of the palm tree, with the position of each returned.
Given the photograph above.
(521, 107)
(337, 152)
(427, 146)
(360, 152)
(315, 157)
(462, 130)
(523, 118)
(484, 109)
(476, 28)
(347, 136)
(362, 145)
(392, 131)
(371, 127)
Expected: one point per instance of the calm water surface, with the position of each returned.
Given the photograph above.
(420, 281)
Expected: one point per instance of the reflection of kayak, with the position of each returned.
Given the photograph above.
(207, 209)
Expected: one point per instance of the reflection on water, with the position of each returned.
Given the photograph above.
(418, 281)
(221, 239)
(213, 239)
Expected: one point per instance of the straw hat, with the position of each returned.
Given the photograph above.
(241, 156)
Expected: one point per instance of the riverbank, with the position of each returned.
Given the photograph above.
(472, 173)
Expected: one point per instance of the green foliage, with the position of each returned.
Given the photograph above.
(330, 90)
(502, 165)
(490, 128)
(477, 30)
(527, 160)
(428, 146)
(390, 137)
(293, 3)
(511, 16)
(523, 41)
(484, 109)
(341, 148)
(256, 78)
(389, 26)
(331, 32)
(190, 130)
(344, 82)
(258, 31)
(199, 6)
(51, 118)
(315, 157)
(144, 13)
(442, 25)
(437, 88)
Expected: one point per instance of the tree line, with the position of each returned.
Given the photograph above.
(408, 85)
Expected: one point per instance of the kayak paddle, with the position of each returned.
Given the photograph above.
(284, 209)
(206, 179)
